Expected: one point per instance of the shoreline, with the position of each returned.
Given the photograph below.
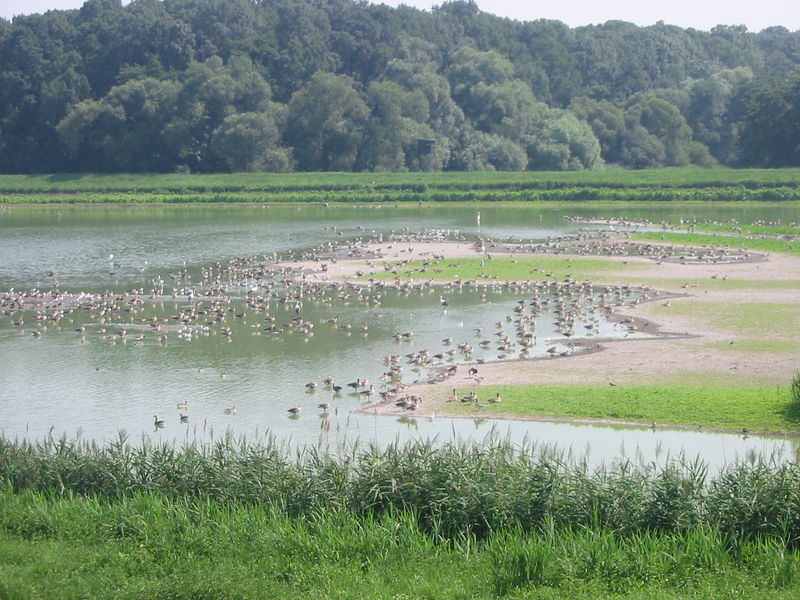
(679, 344)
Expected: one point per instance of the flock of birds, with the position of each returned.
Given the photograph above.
(263, 296)
(605, 244)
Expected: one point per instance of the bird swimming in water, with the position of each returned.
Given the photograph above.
(158, 422)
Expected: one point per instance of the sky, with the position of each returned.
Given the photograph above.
(700, 14)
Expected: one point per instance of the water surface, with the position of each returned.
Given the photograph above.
(95, 384)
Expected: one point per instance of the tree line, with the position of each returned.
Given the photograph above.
(324, 85)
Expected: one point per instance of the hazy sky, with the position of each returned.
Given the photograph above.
(700, 14)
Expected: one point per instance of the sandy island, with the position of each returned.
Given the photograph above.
(692, 349)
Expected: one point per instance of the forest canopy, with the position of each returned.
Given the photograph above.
(343, 85)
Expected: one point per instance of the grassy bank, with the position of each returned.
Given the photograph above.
(240, 520)
(751, 408)
(685, 184)
(722, 241)
(151, 547)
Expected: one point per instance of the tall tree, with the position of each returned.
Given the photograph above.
(326, 123)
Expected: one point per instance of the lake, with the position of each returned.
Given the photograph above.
(99, 381)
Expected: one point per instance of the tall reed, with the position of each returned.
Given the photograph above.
(456, 491)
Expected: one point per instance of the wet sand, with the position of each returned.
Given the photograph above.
(691, 348)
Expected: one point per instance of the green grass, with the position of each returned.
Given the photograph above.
(420, 520)
(151, 547)
(765, 408)
(742, 229)
(503, 268)
(757, 319)
(663, 185)
(757, 345)
(685, 177)
(722, 241)
(694, 285)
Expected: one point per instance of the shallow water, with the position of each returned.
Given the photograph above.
(88, 385)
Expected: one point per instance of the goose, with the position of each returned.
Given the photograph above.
(158, 422)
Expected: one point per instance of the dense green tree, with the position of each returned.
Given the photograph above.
(770, 134)
(250, 142)
(608, 124)
(327, 123)
(716, 109)
(122, 131)
(559, 141)
(451, 88)
(663, 120)
(476, 150)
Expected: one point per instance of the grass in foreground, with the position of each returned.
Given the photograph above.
(420, 520)
(152, 547)
(756, 408)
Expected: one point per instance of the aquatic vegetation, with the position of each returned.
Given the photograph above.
(452, 489)
(661, 185)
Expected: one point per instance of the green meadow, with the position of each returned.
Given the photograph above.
(761, 408)
(723, 241)
(501, 268)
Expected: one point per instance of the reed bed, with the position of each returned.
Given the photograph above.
(454, 490)
(421, 194)
(238, 519)
(665, 185)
